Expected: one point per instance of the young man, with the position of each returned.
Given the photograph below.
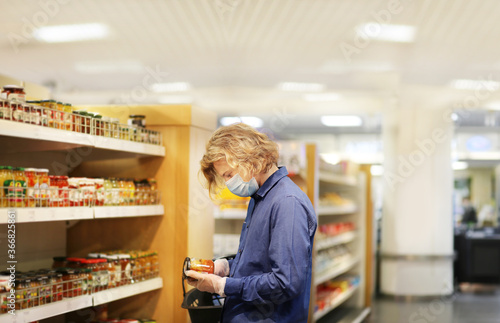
(269, 280)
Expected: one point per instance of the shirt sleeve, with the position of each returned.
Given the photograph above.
(289, 258)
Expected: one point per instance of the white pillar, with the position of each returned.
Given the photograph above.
(417, 224)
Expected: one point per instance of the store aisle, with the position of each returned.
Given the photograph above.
(465, 307)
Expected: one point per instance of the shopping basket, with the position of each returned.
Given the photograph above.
(203, 307)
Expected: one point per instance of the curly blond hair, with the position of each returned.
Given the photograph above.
(244, 149)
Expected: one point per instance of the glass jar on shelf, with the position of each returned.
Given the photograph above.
(75, 196)
(68, 116)
(115, 272)
(108, 193)
(87, 187)
(99, 192)
(45, 289)
(102, 265)
(115, 200)
(114, 130)
(131, 191)
(16, 97)
(17, 111)
(69, 282)
(30, 291)
(31, 180)
(126, 269)
(19, 185)
(54, 191)
(153, 195)
(62, 182)
(111, 271)
(59, 262)
(98, 129)
(13, 92)
(6, 178)
(80, 122)
(137, 120)
(21, 293)
(105, 126)
(42, 188)
(133, 268)
(124, 196)
(76, 121)
(59, 115)
(86, 280)
(139, 192)
(89, 127)
(35, 112)
(147, 192)
(35, 291)
(48, 113)
(155, 264)
(5, 111)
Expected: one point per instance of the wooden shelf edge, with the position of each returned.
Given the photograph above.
(31, 215)
(48, 310)
(114, 294)
(103, 212)
(57, 136)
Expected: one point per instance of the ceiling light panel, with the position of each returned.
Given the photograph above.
(101, 67)
(464, 84)
(170, 87)
(342, 121)
(321, 97)
(386, 32)
(251, 121)
(71, 33)
(301, 87)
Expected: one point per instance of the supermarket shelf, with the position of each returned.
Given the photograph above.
(128, 146)
(334, 241)
(102, 212)
(338, 301)
(235, 214)
(336, 271)
(27, 215)
(30, 138)
(48, 310)
(27, 137)
(337, 179)
(114, 294)
(347, 315)
(337, 209)
(46, 214)
(73, 304)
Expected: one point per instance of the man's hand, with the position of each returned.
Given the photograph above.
(206, 282)
(221, 267)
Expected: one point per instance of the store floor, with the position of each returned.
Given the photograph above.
(473, 304)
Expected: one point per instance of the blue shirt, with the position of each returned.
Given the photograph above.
(270, 277)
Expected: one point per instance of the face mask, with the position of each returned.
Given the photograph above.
(240, 188)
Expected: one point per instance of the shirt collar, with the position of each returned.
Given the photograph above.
(271, 181)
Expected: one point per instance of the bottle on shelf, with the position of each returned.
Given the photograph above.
(19, 185)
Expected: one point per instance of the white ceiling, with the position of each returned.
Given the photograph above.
(235, 52)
